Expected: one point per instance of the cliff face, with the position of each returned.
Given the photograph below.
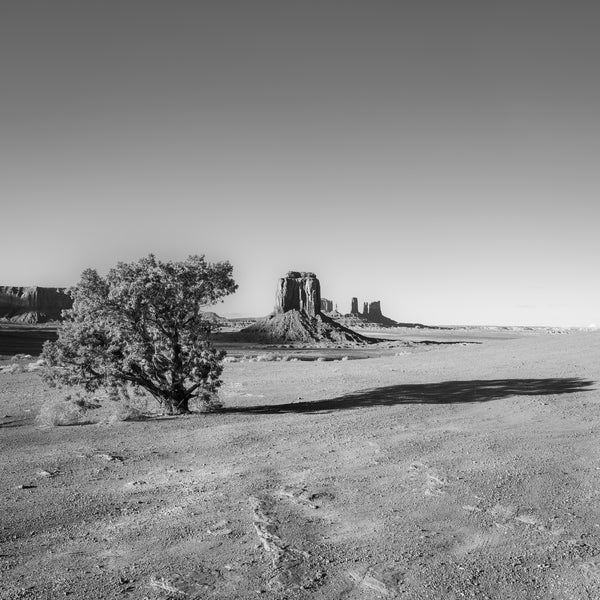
(33, 304)
(373, 311)
(300, 291)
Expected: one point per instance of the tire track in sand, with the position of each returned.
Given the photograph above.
(290, 566)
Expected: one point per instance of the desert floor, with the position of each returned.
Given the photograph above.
(456, 470)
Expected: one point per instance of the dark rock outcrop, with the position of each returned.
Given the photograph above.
(373, 311)
(299, 291)
(33, 304)
(354, 306)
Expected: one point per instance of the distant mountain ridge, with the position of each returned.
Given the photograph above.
(33, 304)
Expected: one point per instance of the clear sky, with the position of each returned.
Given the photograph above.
(439, 156)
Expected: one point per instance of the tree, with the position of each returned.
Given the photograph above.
(141, 328)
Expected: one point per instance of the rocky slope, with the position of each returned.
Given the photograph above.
(297, 326)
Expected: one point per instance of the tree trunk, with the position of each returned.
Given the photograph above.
(177, 404)
(183, 406)
(178, 401)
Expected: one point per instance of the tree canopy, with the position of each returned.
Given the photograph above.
(141, 327)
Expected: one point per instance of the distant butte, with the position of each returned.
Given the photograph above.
(371, 313)
(327, 306)
(298, 317)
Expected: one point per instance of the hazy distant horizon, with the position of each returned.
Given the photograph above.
(439, 157)
(591, 326)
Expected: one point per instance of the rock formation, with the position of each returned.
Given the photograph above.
(33, 304)
(300, 291)
(298, 317)
(371, 313)
(327, 305)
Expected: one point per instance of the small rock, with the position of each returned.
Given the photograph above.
(110, 457)
(139, 482)
(220, 528)
(220, 532)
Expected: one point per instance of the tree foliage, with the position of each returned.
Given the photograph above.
(141, 328)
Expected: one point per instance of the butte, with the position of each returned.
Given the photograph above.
(297, 317)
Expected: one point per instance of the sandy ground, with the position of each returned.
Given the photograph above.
(454, 471)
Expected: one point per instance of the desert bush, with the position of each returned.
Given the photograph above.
(141, 328)
(266, 357)
(65, 410)
(207, 403)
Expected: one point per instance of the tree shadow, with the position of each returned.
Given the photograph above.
(445, 343)
(445, 392)
(17, 422)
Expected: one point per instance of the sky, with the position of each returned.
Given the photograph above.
(438, 156)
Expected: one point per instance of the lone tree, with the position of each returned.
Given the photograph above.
(141, 328)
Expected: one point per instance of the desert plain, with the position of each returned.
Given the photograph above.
(448, 464)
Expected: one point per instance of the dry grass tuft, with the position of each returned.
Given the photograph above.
(207, 404)
(164, 585)
(36, 365)
(132, 408)
(56, 412)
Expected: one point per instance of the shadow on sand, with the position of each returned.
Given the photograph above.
(446, 392)
(17, 422)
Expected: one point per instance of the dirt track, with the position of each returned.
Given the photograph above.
(463, 471)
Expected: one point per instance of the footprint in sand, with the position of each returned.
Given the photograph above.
(507, 517)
